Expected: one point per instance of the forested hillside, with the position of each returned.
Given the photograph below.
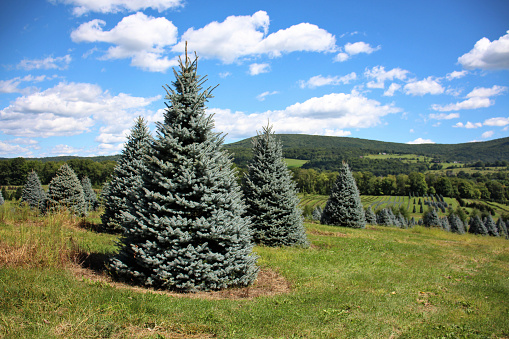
(327, 153)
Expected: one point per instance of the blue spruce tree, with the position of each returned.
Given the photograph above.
(117, 193)
(431, 219)
(187, 230)
(317, 213)
(457, 225)
(33, 194)
(502, 228)
(344, 207)
(90, 196)
(1, 198)
(65, 192)
(477, 226)
(271, 195)
(491, 226)
(370, 216)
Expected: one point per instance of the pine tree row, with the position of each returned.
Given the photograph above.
(65, 192)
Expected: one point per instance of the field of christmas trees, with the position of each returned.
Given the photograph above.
(176, 247)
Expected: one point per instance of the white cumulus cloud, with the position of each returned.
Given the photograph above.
(456, 75)
(327, 115)
(238, 37)
(69, 109)
(499, 121)
(479, 97)
(139, 37)
(392, 89)
(255, 69)
(488, 55)
(468, 125)
(484, 92)
(354, 49)
(421, 141)
(487, 134)
(112, 6)
(422, 87)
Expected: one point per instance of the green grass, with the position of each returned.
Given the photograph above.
(372, 283)
(293, 163)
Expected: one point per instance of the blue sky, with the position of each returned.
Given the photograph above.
(74, 74)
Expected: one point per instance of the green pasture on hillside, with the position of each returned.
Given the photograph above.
(378, 282)
(292, 163)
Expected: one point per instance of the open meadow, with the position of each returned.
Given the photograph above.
(378, 282)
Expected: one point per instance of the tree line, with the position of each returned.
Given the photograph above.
(13, 172)
(492, 186)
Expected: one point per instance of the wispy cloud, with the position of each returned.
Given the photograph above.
(50, 62)
(320, 80)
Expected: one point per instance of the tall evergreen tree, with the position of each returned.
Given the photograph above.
(90, 196)
(344, 207)
(271, 195)
(477, 226)
(65, 192)
(126, 177)
(187, 231)
(33, 194)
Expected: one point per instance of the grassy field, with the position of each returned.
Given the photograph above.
(372, 283)
(292, 163)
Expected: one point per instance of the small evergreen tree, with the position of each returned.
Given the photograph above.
(383, 217)
(33, 193)
(126, 179)
(457, 225)
(65, 192)
(414, 210)
(421, 210)
(502, 227)
(344, 207)
(491, 226)
(477, 226)
(444, 222)
(187, 231)
(370, 216)
(1, 198)
(431, 218)
(403, 223)
(317, 213)
(271, 195)
(90, 196)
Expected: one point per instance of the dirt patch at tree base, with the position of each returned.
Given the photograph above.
(268, 283)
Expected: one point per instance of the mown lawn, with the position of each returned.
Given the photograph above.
(372, 283)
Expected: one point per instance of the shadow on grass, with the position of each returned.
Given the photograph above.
(96, 227)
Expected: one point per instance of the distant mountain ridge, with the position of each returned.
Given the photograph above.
(302, 146)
